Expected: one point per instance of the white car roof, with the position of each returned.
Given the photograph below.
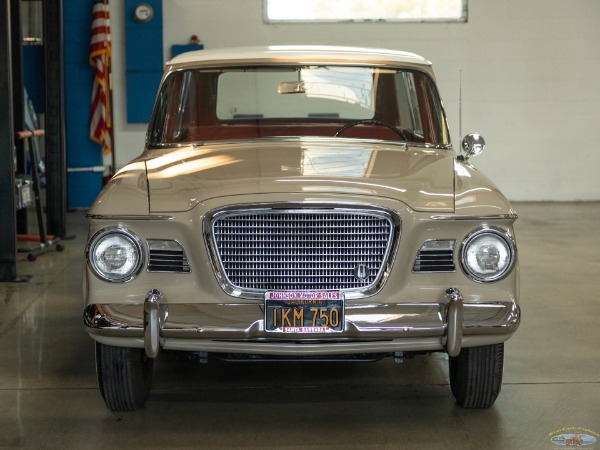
(307, 54)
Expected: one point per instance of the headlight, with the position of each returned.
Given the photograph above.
(115, 254)
(487, 254)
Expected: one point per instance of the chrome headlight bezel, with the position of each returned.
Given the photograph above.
(502, 236)
(131, 237)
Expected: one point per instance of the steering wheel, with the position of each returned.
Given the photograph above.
(381, 123)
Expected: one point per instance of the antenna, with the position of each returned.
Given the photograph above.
(460, 104)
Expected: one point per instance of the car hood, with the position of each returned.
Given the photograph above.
(181, 178)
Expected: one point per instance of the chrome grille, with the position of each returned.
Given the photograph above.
(268, 250)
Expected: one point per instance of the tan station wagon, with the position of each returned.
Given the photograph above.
(301, 203)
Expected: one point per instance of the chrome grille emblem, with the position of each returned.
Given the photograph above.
(361, 272)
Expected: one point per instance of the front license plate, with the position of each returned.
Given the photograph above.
(304, 312)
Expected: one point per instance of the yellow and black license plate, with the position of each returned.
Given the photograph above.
(304, 312)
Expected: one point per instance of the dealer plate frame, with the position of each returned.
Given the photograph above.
(308, 312)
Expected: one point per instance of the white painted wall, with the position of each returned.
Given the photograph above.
(530, 70)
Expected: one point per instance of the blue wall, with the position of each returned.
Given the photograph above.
(82, 187)
(144, 71)
(144, 60)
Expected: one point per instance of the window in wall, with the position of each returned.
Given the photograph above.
(365, 10)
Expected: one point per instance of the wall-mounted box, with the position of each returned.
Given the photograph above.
(144, 56)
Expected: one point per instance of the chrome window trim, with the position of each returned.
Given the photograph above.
(116, 230)
(124, 217)
(405, 144)
(255, 294)
(502, 233)
(511, 216)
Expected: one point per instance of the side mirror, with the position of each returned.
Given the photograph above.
(472, 145)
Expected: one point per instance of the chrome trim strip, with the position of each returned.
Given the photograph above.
(512, 216)
(122, 217)
(406, 144)
(245, 322)
(306, 349)
(255, 294)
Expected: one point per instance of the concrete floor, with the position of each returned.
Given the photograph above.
(49, 396)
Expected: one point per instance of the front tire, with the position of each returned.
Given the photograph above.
(124, 376)
(476, 375)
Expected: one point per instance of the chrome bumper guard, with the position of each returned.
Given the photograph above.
(449, 323)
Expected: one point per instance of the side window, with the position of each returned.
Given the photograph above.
(185, 103)
(408, 103)
(159, 114)
(420, 108)
(177, 109)
(436, 115)
(166, 123)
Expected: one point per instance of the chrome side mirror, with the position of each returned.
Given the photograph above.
(472, 145)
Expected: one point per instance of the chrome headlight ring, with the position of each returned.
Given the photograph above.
(488, 254)
(115, 254)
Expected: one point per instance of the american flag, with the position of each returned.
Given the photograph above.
(100, 49)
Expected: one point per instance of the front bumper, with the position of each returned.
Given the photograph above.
(239, 328)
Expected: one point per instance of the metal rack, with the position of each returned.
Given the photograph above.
(44, 241)
(11, 119)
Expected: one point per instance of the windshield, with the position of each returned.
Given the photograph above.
(351, 102)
